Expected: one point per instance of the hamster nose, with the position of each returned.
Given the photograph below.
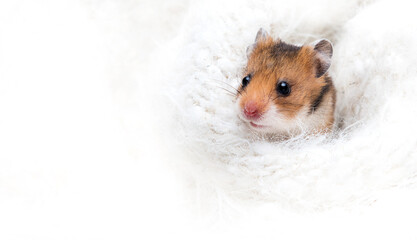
(251, 110)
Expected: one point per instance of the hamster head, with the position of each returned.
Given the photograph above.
(286, 88)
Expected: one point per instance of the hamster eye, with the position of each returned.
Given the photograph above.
(245, 81)
(283, 88)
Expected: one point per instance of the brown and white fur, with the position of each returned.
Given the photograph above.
(308, 108)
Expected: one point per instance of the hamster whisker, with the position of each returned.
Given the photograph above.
(229, 85)
(231, 93)
(241, 87)
(275, 98)
(293, 104)
(263, 92)
(269, 96)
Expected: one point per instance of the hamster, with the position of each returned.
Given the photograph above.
(286, 89)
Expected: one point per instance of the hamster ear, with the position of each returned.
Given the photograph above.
(262, 35)
(249, 49)
(324, 53)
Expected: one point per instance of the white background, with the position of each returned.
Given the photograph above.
(79, 157)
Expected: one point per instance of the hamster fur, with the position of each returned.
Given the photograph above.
(286, 89)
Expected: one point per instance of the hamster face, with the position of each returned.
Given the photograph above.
(285, 88)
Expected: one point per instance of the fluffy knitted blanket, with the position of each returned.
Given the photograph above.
(374, 145)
